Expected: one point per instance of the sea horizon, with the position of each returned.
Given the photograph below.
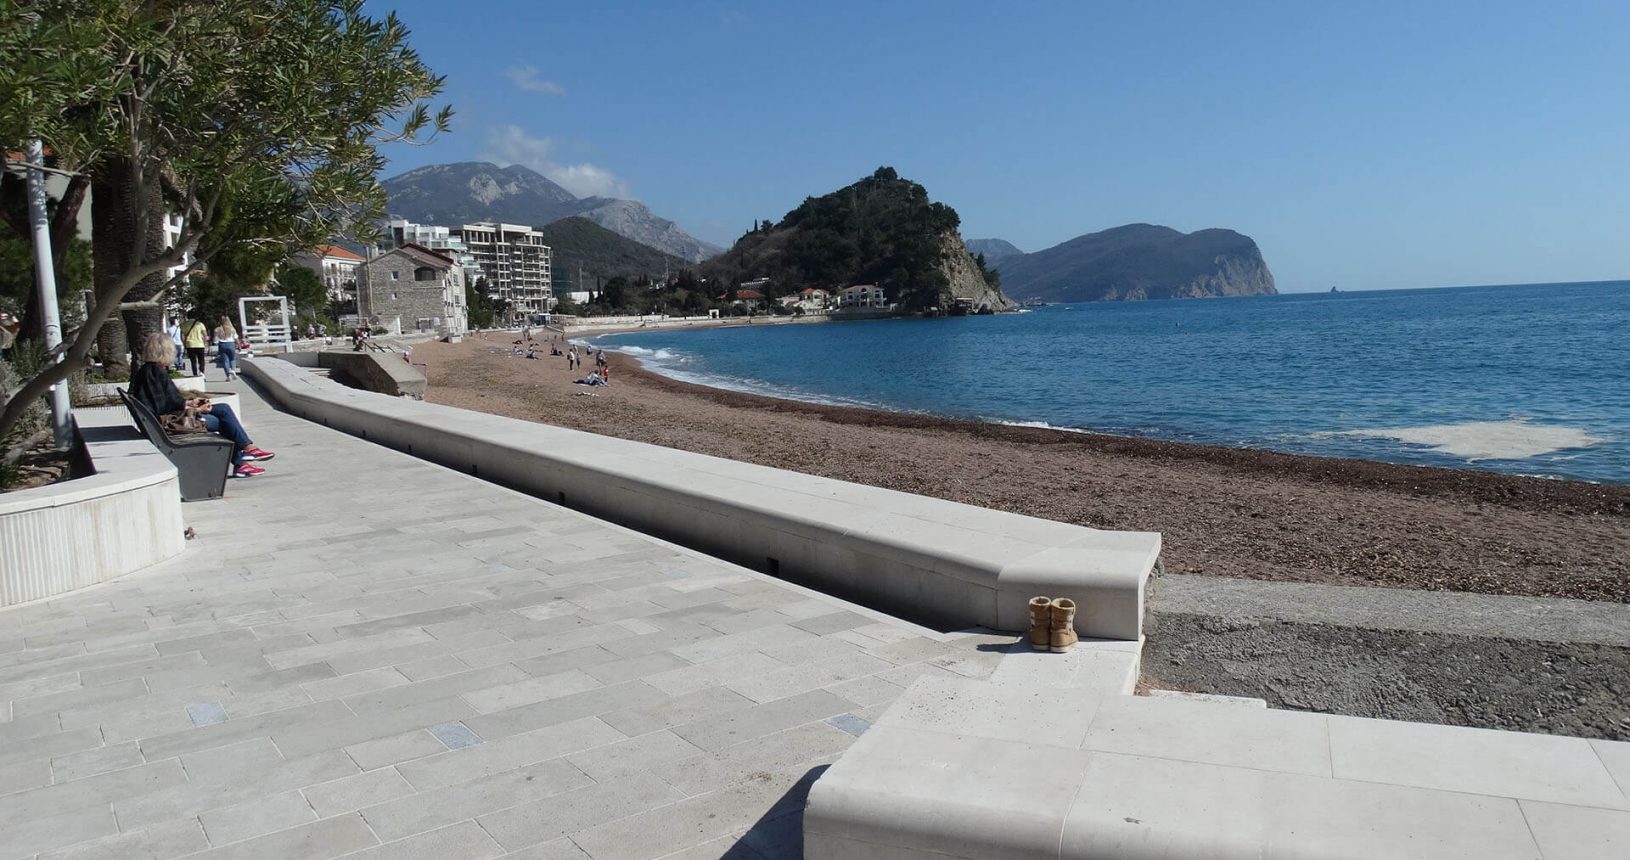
(1514, 378)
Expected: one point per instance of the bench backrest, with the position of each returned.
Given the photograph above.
(146, 421)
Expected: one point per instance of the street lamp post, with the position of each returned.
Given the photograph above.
(45, 280)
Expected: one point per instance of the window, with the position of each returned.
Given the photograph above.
(395, 275)
(393, 295)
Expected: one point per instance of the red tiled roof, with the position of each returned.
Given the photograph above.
(749, 294)
(337, 251)
(426, 255)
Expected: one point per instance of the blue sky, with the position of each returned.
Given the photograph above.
(1362, 145)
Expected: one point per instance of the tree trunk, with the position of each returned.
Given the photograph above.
(116, 206)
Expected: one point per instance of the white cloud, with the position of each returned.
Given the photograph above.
(526, 78)
(509, 144)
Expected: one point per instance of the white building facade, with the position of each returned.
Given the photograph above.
(442, 240)
(515, 262)
(336, 266)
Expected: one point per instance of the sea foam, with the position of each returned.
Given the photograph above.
(1513, 439)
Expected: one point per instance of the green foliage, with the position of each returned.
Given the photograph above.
(567, 306)
(17, 275)
(257, 120)
(483, 308)
(24, 359)
(993, 278)
(304, 289)
(882, 229)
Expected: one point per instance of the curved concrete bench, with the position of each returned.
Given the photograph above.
(58, 538)
(961, 768)
(927, 559)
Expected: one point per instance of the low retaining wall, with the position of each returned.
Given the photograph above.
(66, 536)
(974, 769)
(931, 560)
(384, 372)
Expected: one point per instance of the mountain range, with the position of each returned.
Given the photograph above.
(470, 191)
(995, 250)
(1136, 261)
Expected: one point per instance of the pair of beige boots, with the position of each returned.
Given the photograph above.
(1052, 624)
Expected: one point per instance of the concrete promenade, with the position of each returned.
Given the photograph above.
(365, 655)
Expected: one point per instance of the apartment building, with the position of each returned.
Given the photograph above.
(515, 262)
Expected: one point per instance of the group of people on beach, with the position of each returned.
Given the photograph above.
(526, 346)
(602, 367)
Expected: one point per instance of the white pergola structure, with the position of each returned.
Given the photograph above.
(262, 334)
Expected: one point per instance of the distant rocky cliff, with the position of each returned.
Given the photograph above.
(966, 281)
(1140, 261)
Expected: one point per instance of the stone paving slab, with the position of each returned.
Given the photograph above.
(365, 655)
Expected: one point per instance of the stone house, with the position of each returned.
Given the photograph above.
(412, 288)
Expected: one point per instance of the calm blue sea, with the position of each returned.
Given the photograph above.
(1530, 379)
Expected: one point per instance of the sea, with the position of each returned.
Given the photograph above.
(1527, 379)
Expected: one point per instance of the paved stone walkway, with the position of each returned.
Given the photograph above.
(365, 655)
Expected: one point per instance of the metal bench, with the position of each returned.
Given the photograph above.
(201, 460)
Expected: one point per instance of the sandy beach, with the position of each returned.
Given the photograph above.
(1223, 511)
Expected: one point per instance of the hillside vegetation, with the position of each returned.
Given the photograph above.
(881, 230)
(580, 245)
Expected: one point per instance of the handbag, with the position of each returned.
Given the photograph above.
(182, 423)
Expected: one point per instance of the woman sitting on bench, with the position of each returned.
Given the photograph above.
(151, 385)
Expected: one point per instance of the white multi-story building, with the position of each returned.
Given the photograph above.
(442, 240)
(336, 266)
(515, 262)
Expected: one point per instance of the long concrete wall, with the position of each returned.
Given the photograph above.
(61, 537)
(927, 559)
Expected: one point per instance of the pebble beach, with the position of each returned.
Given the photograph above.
(1223, 511)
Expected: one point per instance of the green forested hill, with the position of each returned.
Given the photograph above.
(579, 243)
(881, 230)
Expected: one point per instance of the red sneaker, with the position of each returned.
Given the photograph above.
(247, 470)
(254, 454)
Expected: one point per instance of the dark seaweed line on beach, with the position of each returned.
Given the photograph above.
(1513, 491)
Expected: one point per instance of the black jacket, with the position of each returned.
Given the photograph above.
(151, 385)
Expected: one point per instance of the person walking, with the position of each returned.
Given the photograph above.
(194, 336)
(226, 348)
(174, 331)
(152, 386)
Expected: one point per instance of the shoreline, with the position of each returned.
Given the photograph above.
(1487, 484)
(1225, 511)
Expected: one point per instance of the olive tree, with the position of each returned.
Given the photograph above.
(256, 121)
